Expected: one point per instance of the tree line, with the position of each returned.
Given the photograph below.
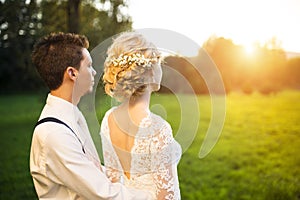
(267, 69)
(22, 22)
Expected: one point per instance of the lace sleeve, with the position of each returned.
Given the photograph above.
(110, 162)
(165, 155)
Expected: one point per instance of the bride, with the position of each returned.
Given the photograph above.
(138, 147)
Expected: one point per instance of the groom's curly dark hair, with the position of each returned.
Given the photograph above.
(53, 53)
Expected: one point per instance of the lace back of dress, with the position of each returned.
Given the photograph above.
(154, 159)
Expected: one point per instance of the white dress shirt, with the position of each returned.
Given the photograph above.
(59, 167)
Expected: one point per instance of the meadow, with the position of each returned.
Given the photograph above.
(256, 157)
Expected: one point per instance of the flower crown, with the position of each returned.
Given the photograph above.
(124, 60)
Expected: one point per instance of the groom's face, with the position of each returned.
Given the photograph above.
(85, 80)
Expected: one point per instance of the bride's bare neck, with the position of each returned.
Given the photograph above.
(138, 104)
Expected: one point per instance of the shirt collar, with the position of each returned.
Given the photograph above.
(65, 110)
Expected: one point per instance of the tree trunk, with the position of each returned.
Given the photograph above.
(73, 15)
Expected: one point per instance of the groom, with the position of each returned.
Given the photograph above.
(64, 163)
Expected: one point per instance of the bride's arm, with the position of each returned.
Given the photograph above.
(110, 161)
(165, 155)
(167, 183)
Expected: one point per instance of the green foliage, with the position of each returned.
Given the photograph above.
(23, 22)
(99, 25)
(256, 157)
(18, 30)
(53, 22)
(267, 70)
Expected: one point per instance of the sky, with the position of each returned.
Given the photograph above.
(243, 21)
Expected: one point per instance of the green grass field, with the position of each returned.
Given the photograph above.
(256, 157)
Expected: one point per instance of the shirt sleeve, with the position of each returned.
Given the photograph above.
(66, 164)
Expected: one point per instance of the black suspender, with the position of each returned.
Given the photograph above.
(53, 119)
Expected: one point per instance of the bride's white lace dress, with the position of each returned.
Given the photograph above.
(154, 158)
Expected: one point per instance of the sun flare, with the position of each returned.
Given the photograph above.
(249, 49)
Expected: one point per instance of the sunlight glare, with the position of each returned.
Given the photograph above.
(249, 49)
(251, 26)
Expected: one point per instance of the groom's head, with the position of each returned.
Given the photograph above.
(57, 53)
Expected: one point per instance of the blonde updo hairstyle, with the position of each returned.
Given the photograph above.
(128, 68)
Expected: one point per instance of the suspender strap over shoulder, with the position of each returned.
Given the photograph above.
(53, 119)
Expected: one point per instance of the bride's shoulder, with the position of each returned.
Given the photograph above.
(158, 123)
(107, 113)
(162, 134)
(104, 121)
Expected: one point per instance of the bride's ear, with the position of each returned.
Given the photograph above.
(72, 73)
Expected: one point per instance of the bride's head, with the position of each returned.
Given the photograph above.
(132, 66)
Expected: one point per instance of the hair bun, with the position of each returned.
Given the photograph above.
(128, 66)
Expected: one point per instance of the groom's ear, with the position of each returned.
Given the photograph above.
(72, 73)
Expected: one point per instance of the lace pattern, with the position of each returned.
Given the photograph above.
(154, 158)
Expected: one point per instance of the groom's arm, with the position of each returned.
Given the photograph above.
(66, 164)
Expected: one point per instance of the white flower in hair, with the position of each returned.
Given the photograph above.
(134, 58)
